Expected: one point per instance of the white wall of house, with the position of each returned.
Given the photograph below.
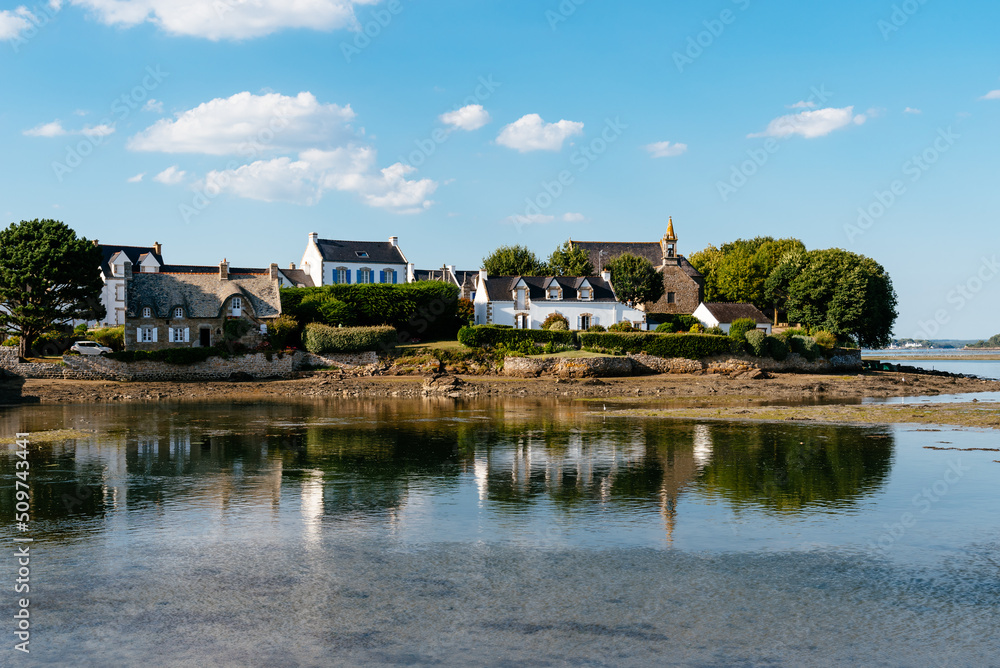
(326, 273)
(312, 261)
(708, 320)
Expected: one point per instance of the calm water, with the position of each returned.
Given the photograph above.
(959, 361)
(501, 534)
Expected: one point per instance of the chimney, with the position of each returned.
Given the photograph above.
(224, 270)
(483, 276)
(128, 269)
(411, 276)
(273, 271)
(394, 242)
(313, 237)
(96, 242)
(451, 268)
(291, 265)
(606, 275)
(157, 248)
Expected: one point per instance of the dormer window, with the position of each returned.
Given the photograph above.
(554, 292)
(147, 312)
(236, 307)
(361, 253)
(178, 312)
(586, 294)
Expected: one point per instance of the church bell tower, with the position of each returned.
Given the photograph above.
(669, 244)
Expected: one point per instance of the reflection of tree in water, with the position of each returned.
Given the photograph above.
(785, 468)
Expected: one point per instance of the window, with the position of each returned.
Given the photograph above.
(361, 253)
(147, 312)
(120, 293)
(585, 294)
(554, 292)
(585, 321)
(364, 275)
(341, 275)
(236, 307)
(178, 312)
(147, 334)
(389, 276)
(671, 297)
(177, 334)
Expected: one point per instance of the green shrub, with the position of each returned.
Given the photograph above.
(698, 328)
(112, 337)
(180, 356)
(776, 348)
(755, 339)
(739, 328)
(597, 328)
(714, 330)
(235, 329)
(80, 330)
(552, 319)
(12, 342)
(826, 340)
(283, 332)
(666, 328)
(621, 327)
(681, 322)
(491, 336)
(323, 339)
(805, 346)
(691, 346)
(794, 331)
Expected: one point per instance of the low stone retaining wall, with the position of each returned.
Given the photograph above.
(255, 365)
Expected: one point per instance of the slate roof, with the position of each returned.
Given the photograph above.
(379, 252)
(201, 293)
(500, 288)
(297, 277)
(133, 253)
(727, 313)
(651, 250)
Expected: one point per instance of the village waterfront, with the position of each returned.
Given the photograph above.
(501, 530)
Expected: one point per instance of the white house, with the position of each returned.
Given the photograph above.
(525, 302)
(329, 261)
(716, 314)
(145, 260)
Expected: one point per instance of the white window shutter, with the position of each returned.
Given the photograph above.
(187, 335)
(138, 335)
(155, 330)
(170, 334)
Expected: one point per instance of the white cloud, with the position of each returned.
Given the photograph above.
(665, 149)
(53, 129)
(573, 218)
(805, 104)
(305, 180)
(227, 19)
(13, 23)
(992, 95)
(811, 124)
(170, 176)
(98, 130)
(531, 133)
(137, 178)
(154, 105)
(247, 124)
(467, 118)
(911, 110)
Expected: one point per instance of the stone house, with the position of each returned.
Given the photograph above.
(331, 262)
(722, 315)
(684, 286)
(148, 259)
(524, 302)
(188, 306)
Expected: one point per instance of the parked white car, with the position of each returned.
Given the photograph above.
(89, 348)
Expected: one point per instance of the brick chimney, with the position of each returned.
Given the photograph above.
(606, 275)
(394, 242)
(291, 265)
(96, 242)
(157, 248)
(273, 271)
(224, 270)
(313, 237)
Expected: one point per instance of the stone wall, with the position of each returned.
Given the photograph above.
(256, 365)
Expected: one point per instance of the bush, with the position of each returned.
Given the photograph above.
(559, 326)
(554, 318)
(714, 330)
(755, 339)
(283, 332)
(112, 337)
(466, 312)
(795, 331)
(666, 328)
(596, 328)
(80, 330)
(691, 346)
(826, 340)
(776, 348)
(492, 336)
(621, 327)
(805, 346)
(180, 356)
(323, 339)
(698, 328)
(234, 330)
(681, 322)
(12, 342)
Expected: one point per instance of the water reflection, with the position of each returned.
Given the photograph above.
(371, 459)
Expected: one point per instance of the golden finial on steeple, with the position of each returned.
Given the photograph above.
(670, 230)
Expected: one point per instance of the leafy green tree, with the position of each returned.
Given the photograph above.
(635, 280)
(513, 261)
(569, 261)
(48, 277)
(738, 271)
(844, 293)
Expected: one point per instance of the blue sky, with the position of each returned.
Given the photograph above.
(236, 127)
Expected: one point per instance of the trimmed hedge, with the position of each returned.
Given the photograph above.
(322, 339)
(776, 348)
(690, 346)
(756, 340)
(180, 356)
(805, 346)
(490, 336)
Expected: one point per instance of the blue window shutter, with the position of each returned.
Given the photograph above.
(381, 276)
(393, 276)
(336, 275)
(348, 275)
